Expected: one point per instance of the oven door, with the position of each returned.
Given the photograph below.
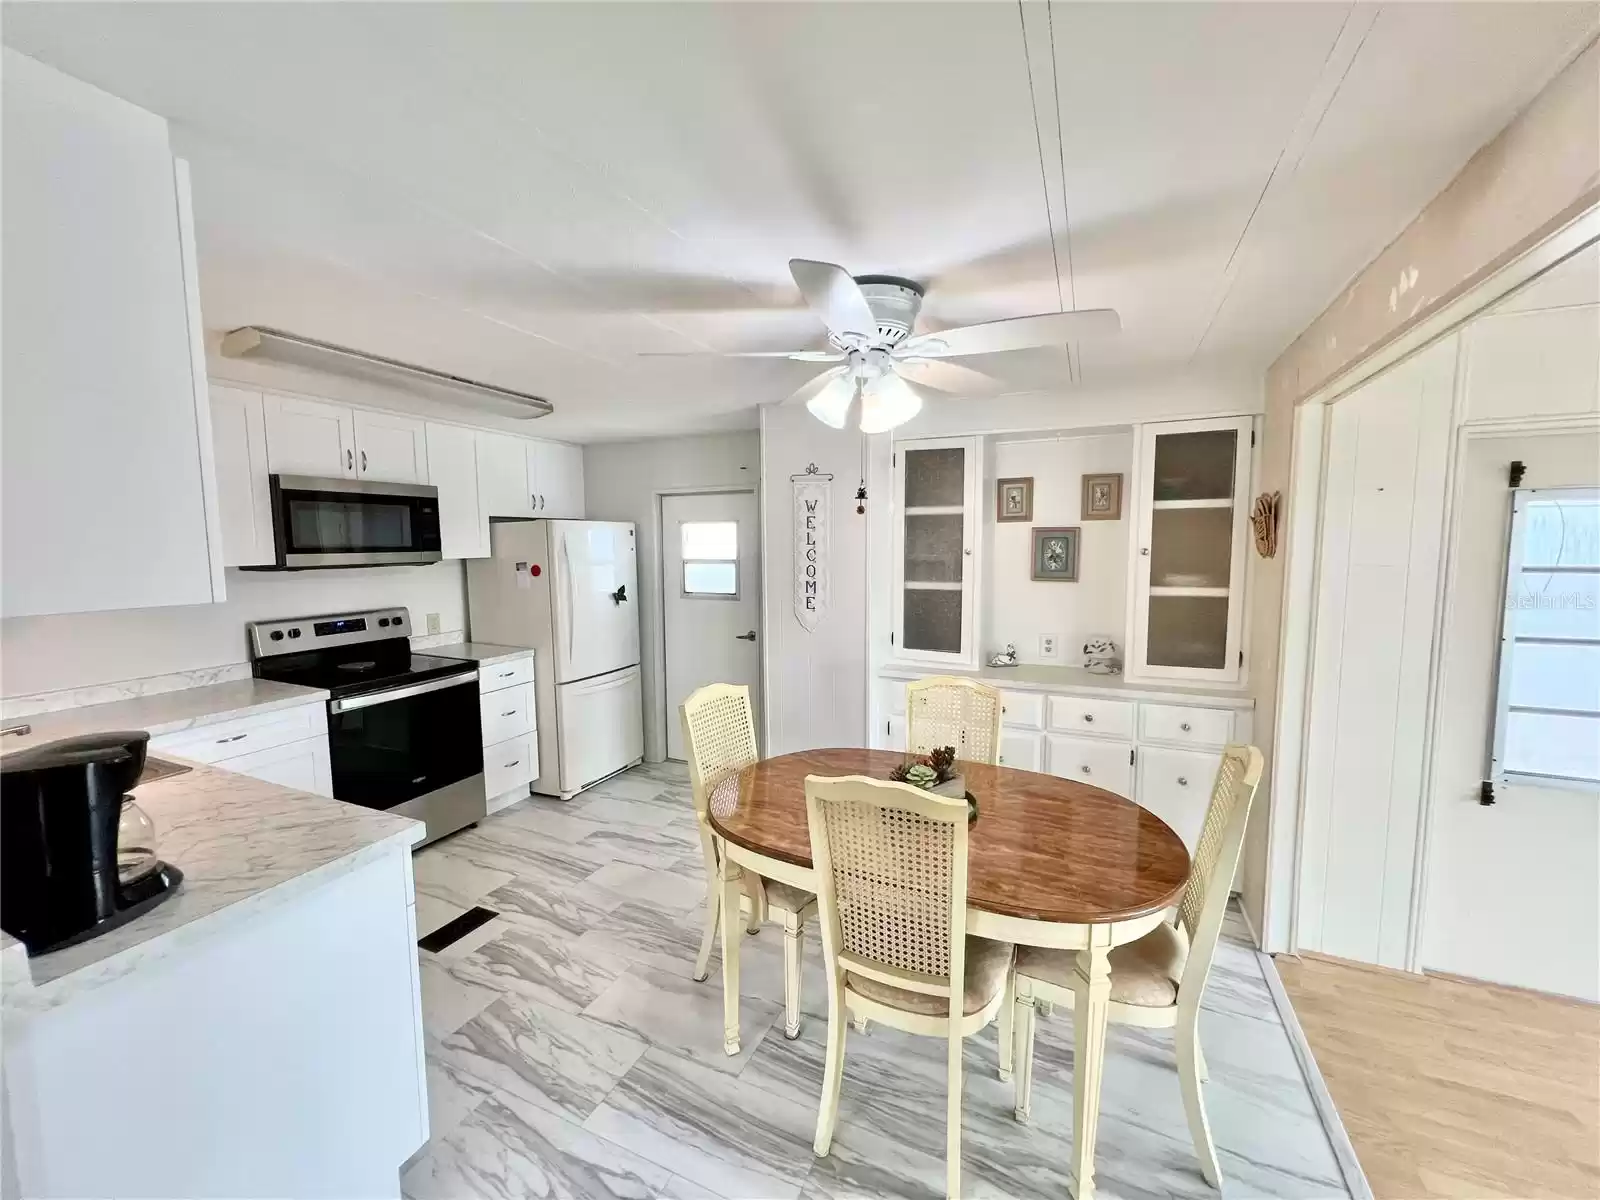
(388, 748)
(352, 523)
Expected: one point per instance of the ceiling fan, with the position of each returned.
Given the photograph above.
(891, 370)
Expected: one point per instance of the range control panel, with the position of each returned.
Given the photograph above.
(336, 629)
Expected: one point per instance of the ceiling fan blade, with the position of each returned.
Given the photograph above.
(947, 376)
(811, 356)
(835, 297)
(828, 396)
(1014, 333)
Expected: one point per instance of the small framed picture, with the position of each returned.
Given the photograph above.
(1055, 553)
(1102, 498)
(1013, 499)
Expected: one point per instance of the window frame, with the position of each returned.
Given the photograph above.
(685, 562)
(1515, 566)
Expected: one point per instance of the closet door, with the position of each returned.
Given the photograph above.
(1194, 480)
(935, 532)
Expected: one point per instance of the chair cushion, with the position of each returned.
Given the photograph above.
(1144, 973)
(987, 966)
(784, 895)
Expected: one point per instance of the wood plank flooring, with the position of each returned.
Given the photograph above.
(1455, 1089)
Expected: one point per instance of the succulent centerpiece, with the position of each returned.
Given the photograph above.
(936, 772)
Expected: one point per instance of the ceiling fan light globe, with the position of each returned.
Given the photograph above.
(831, 405)
(887, 404)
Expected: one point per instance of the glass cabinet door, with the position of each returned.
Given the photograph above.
(934, 549)
(1191, 548)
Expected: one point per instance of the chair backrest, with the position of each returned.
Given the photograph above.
(719, 735)
(1216, 858)
(891, 872)
(946, 711)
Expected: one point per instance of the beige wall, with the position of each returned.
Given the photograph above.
(1539, 173)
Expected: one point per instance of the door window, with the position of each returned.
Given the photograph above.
(710, 558)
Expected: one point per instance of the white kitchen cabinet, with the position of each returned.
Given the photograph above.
(937, 487)
(555, 479)
(244, 497)
(1105, 764)
(1176, 786)
(310, 437)
(1022, 749)
(508, 712)
(302, 765)
(453, 469)
(390, 447)
(894, 733)
(503, 475)
(1192, 490)
(107, 484)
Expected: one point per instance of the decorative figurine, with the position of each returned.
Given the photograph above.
(1006, 658)
(1100, 657)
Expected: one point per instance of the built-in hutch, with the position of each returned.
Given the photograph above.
(1163, 578)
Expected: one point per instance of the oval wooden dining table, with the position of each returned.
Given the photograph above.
(1052, 862)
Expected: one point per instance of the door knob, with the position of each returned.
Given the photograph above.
(746, 637)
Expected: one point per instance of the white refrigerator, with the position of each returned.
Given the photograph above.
(569, 589)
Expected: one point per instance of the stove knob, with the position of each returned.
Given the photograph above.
(277, 635)
(295, 632)
(383, 621)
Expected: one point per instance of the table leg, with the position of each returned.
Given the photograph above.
(732, 935)
(1089, 1030)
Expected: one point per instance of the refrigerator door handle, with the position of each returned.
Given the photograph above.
(566, 559)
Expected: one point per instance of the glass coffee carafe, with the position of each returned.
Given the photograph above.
(136, 843)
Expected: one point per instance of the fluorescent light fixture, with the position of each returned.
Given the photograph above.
(273, 345)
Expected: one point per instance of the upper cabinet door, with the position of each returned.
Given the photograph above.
(106, 479)
(541, 474)
(555, 479)
(239, 434)
(503, 475)
(310, 437)
(453, 469)
(935, 550)
(1188, 605)
(390, 447)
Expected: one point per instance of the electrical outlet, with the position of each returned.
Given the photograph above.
(1049, 645)
(433, 622)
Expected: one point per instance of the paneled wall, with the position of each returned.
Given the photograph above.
(816, 681)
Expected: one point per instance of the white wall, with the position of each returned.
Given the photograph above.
(816, 682)
(1018, 609)
(624, 481)
(45, 654)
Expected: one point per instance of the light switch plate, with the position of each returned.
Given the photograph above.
(433, 622)
(1049, 645)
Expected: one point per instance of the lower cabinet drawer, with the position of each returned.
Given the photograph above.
(245, 735)
(1186, 725)
(1103, 764)
(506, 674)
(510, 764)
(1022, 710)
(1176, 786)
(506, 714)
(1104, 718)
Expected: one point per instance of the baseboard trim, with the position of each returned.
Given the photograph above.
(1355, 1179)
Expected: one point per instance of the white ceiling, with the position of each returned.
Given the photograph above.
(531, 194)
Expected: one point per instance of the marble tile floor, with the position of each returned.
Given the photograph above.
(570, 1055)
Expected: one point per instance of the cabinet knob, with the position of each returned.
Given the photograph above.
(1183, 781)
(1145, 550)
(1086, 770)
(1184, 727)
(1089, 717)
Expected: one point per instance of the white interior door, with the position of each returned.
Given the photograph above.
(1511, 886)
(711, 589)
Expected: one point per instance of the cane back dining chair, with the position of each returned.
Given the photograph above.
(891, 867)
(719, 735)
(1156, 982)
(944, 710)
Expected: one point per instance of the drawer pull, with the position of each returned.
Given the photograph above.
(513, 762)
(1183, 781)
(510, 712)
(1184, 727)
(1089, 717)
(507, 674)
(1085, 770)
(236, 737)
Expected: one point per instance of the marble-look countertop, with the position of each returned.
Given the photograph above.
(163, 712)
(485, 654)
(243, 845)
(1075, 681)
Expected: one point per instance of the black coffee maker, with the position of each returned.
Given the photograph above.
(63, 875)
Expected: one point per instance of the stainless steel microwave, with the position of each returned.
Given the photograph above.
(320, 522)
